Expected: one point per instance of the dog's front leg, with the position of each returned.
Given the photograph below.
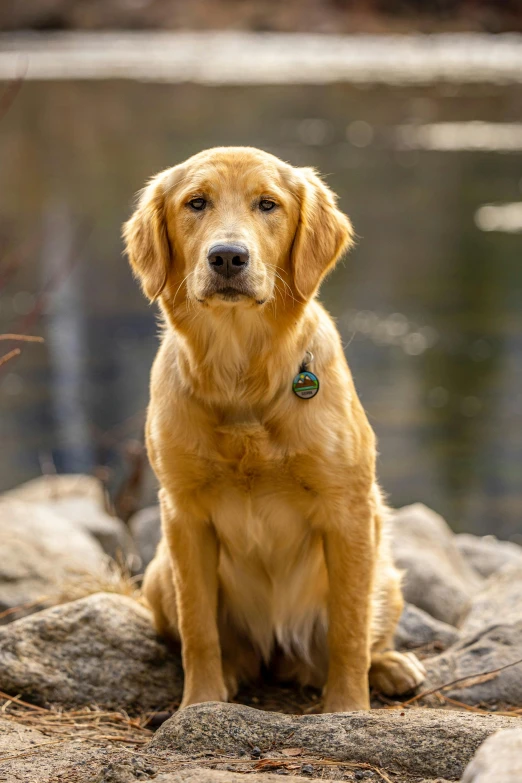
(193, 548)
(350, 557)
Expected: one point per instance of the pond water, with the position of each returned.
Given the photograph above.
(429, 305)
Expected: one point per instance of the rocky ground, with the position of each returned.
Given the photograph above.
(88, 692)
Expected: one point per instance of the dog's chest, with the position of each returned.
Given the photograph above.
(247, 447)
(261, 458)
(259, 500)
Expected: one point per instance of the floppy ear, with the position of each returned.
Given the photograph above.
(146, 240)
(323, 234)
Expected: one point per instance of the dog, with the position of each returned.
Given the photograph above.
(274, 542)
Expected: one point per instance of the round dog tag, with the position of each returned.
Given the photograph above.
(305, 385)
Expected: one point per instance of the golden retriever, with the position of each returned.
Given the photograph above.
(274, 541)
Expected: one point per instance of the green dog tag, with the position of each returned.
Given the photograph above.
(305, 385)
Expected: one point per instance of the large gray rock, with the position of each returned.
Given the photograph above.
(81, 500)
(498, 646)
(39, 552)
(102, 649)
(417, 629)
(486, 554)
(437, 579)
(430, 743)
(499, 600)
(498, 760)
(145, 527)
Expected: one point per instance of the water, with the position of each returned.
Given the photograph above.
(429, 305)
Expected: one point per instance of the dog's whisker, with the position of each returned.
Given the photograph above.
(179, 286)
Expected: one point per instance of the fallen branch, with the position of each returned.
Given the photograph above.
(25, 338)
(277, 763)
(22, 703)
(21, 607)
(471, 679)
(5, 358)
(480, 710)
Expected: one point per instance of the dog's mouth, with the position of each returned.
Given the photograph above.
(230, 294)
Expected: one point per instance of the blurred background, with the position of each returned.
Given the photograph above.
(413, 112)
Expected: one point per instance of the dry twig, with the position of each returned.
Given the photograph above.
(25, 338)
(471, 679)
(29, 605)
(5, 358)
(88, 724)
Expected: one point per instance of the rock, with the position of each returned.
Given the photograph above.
(40, 550)
(491, 637)
(23, 757)
(417, 628)
(499, 599)
(52, 488)
(486, 554)
(101, 649)
(431, 743)
(438, 579)
(218, 776)
(498, 760)
(495, 647)
(145, 527)
(81, 500)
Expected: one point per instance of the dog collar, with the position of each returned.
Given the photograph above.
(305, 384)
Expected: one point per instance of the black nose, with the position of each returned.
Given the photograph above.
(228, 260)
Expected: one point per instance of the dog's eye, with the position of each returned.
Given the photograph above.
(265, 205)
(198, 204)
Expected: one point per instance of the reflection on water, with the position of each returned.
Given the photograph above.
(428, 304)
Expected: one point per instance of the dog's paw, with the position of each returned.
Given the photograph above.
(394, 673)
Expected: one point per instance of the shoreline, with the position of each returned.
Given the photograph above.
(263, 58)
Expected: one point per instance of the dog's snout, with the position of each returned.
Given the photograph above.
(228, 260)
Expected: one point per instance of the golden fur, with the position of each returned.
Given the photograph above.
(274, 541)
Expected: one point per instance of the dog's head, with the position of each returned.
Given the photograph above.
(234, 226)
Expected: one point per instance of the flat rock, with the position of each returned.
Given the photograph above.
(200, 775)
(145, 527)
(426, 743)
(499, 599)
(417, 629)
(498, 760)
(54, 487)
(438, 579)
(81, 501)
(39, 551)
(486, 554)
(101, 649)
(497, 646)
(30, 756)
